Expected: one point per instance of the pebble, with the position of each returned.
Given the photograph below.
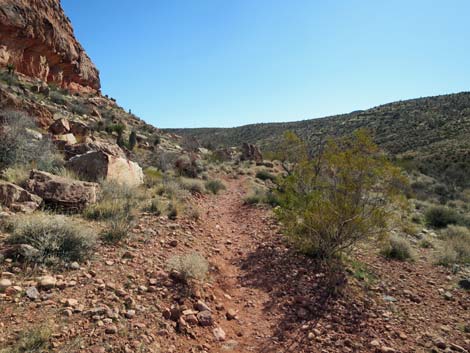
(47, 282)
(205, 318)
(32, 293)
(219, 334)
(4, 284)
(111, 330)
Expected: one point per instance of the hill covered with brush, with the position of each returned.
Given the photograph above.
(429, 133)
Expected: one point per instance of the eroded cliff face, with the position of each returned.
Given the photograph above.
(37, 38)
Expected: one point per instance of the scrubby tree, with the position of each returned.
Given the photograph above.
(291, 151)
(132, 140)
(341, 196)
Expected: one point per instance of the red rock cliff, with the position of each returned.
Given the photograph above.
(37, 37)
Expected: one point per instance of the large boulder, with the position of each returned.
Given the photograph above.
(99, 165)
(60, 127)
(17, 199)
(69, 194)
(251, 153)
(79, 129)
(82, 148)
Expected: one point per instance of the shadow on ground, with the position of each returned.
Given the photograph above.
(302, 292)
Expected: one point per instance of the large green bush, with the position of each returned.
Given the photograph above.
(345, 195)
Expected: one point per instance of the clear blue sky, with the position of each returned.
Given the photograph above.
(197, 63)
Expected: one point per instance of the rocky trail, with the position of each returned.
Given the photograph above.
(261, 295)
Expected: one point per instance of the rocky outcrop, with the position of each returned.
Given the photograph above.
(99, 165)
(17, 199)
(62, 192)
(251, 153)
(37, 38)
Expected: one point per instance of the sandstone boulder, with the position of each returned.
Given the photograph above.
(60, 127)
(79, 129)
(251, 153)
(68, 139)
(18, 199)
(62, 192)
(99, 165)
(82, 148)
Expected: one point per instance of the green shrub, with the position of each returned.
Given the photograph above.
(55, 237)
(259, 196)
(132, 140)
(344, 196)
(57, 97)
(265, 175)
(80, 108)
(398, 248)
(441, 217)
(189, 267)
(214, 186)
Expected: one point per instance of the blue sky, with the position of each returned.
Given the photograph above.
(198, 63)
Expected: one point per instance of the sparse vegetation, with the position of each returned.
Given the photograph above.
(455, 247)
(54, 238)
(398, 248)
(19, 150)
(214, 186)
(189, 267)
(35, 340)
(441, 217)
(265, 175)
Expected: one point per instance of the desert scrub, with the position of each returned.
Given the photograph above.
(189, 267)
(16, 174)
(152, 177)
(214, 186)
(441, 217)
(398, 248)
(54, 238)
(19, 150)
(35, 340)
(194, 186)
(117, 229)
(455, 246)
(153, 206)
(260, 196)
(265, 175)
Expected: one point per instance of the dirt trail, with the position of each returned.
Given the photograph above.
(234, 231)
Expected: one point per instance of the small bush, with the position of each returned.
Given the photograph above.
(214, 186)
(80, 109)
(194, 186)
(36, 340)
(54, 237)
(265, 175)
(17, 174)
(154, 206)
(152, 177)
(57, 97)
(190, 267)
(18, 149)
(117, 229)
(441, 217)
(259, 196)
(192, 212)
(188, 166)
(455, 247)
(398, 248)
(105, 209)
(172, 211)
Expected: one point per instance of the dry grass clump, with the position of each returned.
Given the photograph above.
(189, 267)
(194, 186)
(261, 196)
(53, 238)
(398, 248)
(455, 247)
(214, 186)
(35, 340)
